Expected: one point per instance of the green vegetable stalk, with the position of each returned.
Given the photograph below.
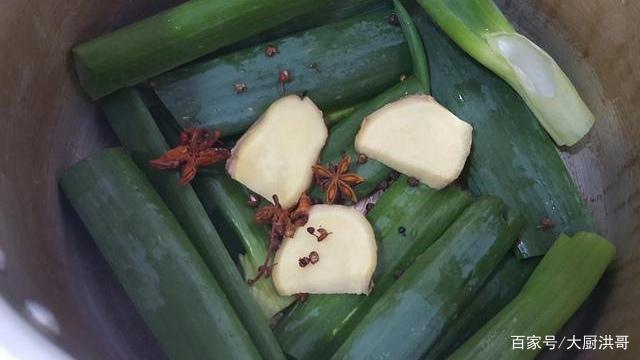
(480, 28)
(336, 65)
(342, 135)
(152, 257)
(408, 319)
(558, 286)
(511, 156)
(160, 43)
(226, 203)
(505, 283)
(420, 67)
(406, 220)
(137, 131)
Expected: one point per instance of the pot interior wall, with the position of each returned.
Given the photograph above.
(49, 124)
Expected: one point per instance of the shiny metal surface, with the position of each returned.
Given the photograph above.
(49, 124)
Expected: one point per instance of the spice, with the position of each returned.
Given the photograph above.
(303, 261)
(546, 224)
(402, 230)
(393, 20)
(337, 181)
(382, 185)
(362, 158)
(198, 148)
(240, 88)
(314, 257)
(413, 182)
(302, 297)
(284, 222)
(271, 50)
(321, 233)
(393, 176)
(283, 78)
(254, 200)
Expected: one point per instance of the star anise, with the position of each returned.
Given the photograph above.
(284, 222)
(337, 181)
(197, 148)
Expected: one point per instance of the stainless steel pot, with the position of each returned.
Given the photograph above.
(48, 124)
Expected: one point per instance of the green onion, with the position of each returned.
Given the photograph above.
(162, 42)
(154, 260)
(420, 66)
(558, 286)
(480, 28)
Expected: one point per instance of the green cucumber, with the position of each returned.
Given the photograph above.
(407, 320)
(336, 65)
(512, 156)
(162, 42)
(138, 133)
(558, 286)
(342, 135)
(495, 294)
(154, 260)
(226, 203)
(406, 221)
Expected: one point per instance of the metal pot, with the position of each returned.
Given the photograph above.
(47, 258)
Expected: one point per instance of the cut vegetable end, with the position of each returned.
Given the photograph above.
(418, 137)
(480, 28)
(559, 285)
(545, 88)
(342, 262)
(276, 154)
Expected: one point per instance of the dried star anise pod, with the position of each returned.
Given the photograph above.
(284, 222)
(197, 148)
(337, 181)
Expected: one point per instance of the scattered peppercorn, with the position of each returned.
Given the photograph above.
(402, 230)
(303, 261)
(393, 176)
(383, 185)
(546, 224)
(311, 230)
(283, 78)
(413, 182)
(362, 158)
(240, 88)
(253, 201)
(393, 20)
(313, 257)
(398, 274)
(271, 50)
(323, 234)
